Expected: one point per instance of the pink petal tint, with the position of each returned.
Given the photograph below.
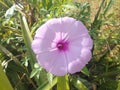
(62, 45)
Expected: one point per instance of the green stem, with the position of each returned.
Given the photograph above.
(63, 83)
(97, 15)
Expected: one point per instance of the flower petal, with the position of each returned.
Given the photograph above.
(72, 57)
(85, 55)
(78, 64)
(41, 31)
(80, 27)
(77, 58)
(54, 25)
(62, 25)
(84, 41)
(41, 45)
(45, 34)
(87, 42)
(74, 28)
(54, 62)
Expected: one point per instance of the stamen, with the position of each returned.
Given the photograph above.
(62, 46)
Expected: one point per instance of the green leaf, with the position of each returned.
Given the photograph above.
(93, 26)
(9, 54)
(85, 71)
(79, 83)
(109, 85)
(36, 65)
(33, 73)
(118, 88)
(62, 83)
(3, 3)
(27, 39)
(108, 6)
(50, 77)
(4, 82)
(47, 85)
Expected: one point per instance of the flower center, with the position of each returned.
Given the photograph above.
(62, 46)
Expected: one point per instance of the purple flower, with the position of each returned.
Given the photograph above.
(62, 45)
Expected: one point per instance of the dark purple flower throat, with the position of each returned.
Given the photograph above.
(62, 45)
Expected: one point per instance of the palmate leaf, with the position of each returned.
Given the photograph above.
(4, 82)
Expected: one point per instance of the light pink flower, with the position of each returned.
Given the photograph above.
(62, 45)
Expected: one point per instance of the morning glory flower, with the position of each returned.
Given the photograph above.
(62, 46)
